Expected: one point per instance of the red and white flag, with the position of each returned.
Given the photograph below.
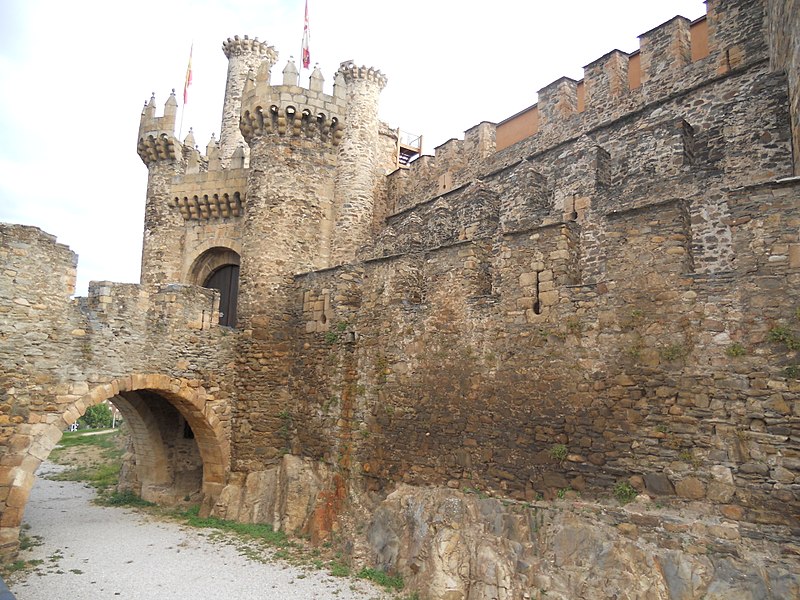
(188, 81)
(304, 50)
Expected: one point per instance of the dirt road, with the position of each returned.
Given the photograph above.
(91, 552)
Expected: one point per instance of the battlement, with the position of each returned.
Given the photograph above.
(239, 46)
(289, 109)
(671, 57)
(678, 57)
(351, 72)
(150, 124)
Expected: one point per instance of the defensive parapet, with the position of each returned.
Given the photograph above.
(672, 57)
(676, 58)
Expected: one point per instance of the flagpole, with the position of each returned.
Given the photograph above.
(305, 55)
(180, 127)
(186, 85)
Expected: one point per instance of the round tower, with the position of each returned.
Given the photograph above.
(290, 188)
(359, 161)
(244, 55)
(292, 134)
(163, 225)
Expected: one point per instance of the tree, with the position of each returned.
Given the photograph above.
(96, 417)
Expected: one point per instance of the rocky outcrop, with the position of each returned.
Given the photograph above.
(299, 496)
(455, 546)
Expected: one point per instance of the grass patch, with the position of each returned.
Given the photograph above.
(259, 531)
(339, 569)
(381, 578)
(125, 498)
(624, 492)
(558, 452)
(102, 474)
(101, 477)
(71, 439)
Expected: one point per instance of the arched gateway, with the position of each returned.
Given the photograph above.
(153, 405)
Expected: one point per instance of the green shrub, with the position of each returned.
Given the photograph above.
(624, 492)
(735, 349)
(558, 452)
(381, 578)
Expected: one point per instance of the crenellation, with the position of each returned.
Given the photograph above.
(665, 51)
(736, 32)
(151, 125)
(558, 102)
(605, 81)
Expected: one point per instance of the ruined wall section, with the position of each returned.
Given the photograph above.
(38, 277)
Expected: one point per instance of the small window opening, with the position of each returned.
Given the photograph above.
(537, 305)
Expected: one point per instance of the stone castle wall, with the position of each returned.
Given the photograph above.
(476, 359)
(612, 299)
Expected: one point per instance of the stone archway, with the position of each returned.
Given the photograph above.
(33, 442)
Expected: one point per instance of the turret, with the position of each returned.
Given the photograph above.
(244, 55)
(160, 150)
(359, 166)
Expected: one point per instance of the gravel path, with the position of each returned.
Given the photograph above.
(96, 553)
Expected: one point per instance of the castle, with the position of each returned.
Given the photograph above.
(602, 289)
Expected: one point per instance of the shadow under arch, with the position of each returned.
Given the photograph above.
(33, 442)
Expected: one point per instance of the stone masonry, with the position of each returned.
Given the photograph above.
(613, 298)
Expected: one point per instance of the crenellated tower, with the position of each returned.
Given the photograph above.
(359, 161)
(293, 134)
(161, 151)
(244, 55)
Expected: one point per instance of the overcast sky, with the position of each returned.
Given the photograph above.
(75, 75)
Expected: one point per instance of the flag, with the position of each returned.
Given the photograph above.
(188, 76)
(304, 50)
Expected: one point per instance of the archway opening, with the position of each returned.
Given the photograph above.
(165, 466)
(226, 280)
(181, 446)
(218, 268)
